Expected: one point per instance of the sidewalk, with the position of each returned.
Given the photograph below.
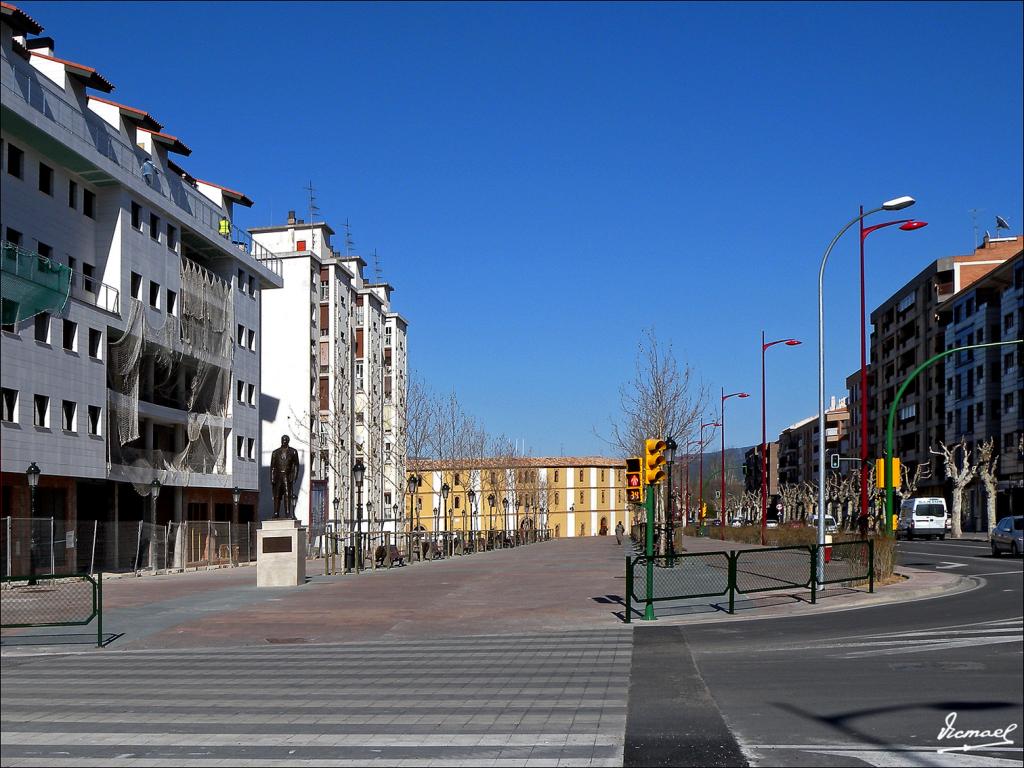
(565, 584)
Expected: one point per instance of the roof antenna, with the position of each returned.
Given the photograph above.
(350, 244)
(974, 222)
(314, 209)
(377, 270)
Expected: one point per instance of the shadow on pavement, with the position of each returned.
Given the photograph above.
(64, 638)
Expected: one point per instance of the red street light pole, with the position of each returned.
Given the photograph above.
(700, 501)
(764, 437)
(907, 225)
(724, 398)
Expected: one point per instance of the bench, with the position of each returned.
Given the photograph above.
(388, 555)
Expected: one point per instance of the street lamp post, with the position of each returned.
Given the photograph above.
(471, 496)
(700, 501)
(724, 398)
(411, 486)
(670, 455)
(764, 436)
(32, 475)
(490, 519)
(504, 523)
(445, 490)
(519, 504)
(689, 445)
(895, 204)
(358, 471)
(907, 225)
(336, 503)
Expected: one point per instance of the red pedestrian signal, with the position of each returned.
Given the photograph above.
(634, 486)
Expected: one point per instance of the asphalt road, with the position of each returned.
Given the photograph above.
(875, 686)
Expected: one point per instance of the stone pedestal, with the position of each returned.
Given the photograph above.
(280, 554)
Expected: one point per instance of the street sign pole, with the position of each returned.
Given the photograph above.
(649, 550)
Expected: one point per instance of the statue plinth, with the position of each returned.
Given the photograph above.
(280, 554)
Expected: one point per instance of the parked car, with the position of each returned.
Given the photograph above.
(926, 516)
(771, 523)
(1009, 535)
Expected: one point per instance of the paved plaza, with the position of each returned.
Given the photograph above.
(514, 657)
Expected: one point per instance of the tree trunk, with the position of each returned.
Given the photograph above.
(956, 531)
(990, 500)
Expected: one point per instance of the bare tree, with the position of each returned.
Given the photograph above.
(909, 481)
(420, 408)
(960, 473)
(661, 400)
(988, 460)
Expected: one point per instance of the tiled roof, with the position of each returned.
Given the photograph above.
(529, 462)
(174, 144)
(91, 77)
(20, 20)
(145, 119)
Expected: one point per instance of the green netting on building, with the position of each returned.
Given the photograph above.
(30, 284)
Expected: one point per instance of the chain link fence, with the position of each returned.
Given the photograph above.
(746, 571)
(63, 600)
(47, 546)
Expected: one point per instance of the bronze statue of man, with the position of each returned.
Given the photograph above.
(284, 469)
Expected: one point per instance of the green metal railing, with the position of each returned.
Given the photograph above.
(662, 578)
(66, 600)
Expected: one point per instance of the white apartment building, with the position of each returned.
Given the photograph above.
(150, 369)
(343, 396)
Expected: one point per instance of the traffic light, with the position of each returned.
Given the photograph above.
(634, 485)
(880, 473)
(654, 462)
(834, 459)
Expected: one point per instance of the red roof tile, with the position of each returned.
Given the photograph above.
(143, 118)
(174, 144)
(20, 20)
(91, 77)
(239, 197)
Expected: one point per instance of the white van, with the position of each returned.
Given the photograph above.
(923, 517)
(830, 523)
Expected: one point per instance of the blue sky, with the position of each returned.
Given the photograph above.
(543, 181)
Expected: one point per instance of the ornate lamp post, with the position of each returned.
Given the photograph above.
(411, 485)
(724, 398)
(333, 541)
(32, 475)
(764, 436)
(236, 496)
(504, 524)
(445, 490)
(358, 471)
(471, 500)
(490, 518)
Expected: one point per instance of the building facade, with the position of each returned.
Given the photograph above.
(798, 444)
(149, 371)
(570, 496)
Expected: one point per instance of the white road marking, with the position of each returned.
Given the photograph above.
(933, 554)
(884, 759)
(947, 565)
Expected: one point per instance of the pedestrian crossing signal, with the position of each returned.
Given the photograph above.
(634, 486)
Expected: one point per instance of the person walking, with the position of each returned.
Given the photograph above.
(620, 530)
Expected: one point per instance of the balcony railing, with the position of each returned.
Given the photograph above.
(31, 283)
(45, 99)
(100, 295)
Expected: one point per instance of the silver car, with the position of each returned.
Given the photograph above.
(1008, 535)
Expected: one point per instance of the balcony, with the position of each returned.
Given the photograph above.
(31, 283)
(48, 101)
(100, 295)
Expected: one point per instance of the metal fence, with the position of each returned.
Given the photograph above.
(46, 546)
(63, 600)
(746, 571)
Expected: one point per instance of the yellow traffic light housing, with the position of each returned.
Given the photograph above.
(654, 461)
(880, 472)
(634, 483)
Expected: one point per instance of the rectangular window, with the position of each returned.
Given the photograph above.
(154, 226)
(44, 250)
(69, 418)
(89, 203)
(1008, 402)
(137, 216)
(72, 265)
(241, 335)
(9, 405)
(250, 448)
(1008, 441)
(88, 272)
(252, 286)
(250, 394)
(172, 237)
(252, 340)
(41, 410)
(70, 338)
(240, 390)
(15, 162)
(13, 236)
(9, 308)
(136, 286)
(172, 302)
(239, 446)
(94, 420)
(95, 343)
(1008, 321)
(300, 245)
(1008, 362)
(154, 295)
(45, 179)
(241, 280)
(359, 376)
(42, 327)
(72, 194)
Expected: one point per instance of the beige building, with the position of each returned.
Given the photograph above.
(569, 495)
